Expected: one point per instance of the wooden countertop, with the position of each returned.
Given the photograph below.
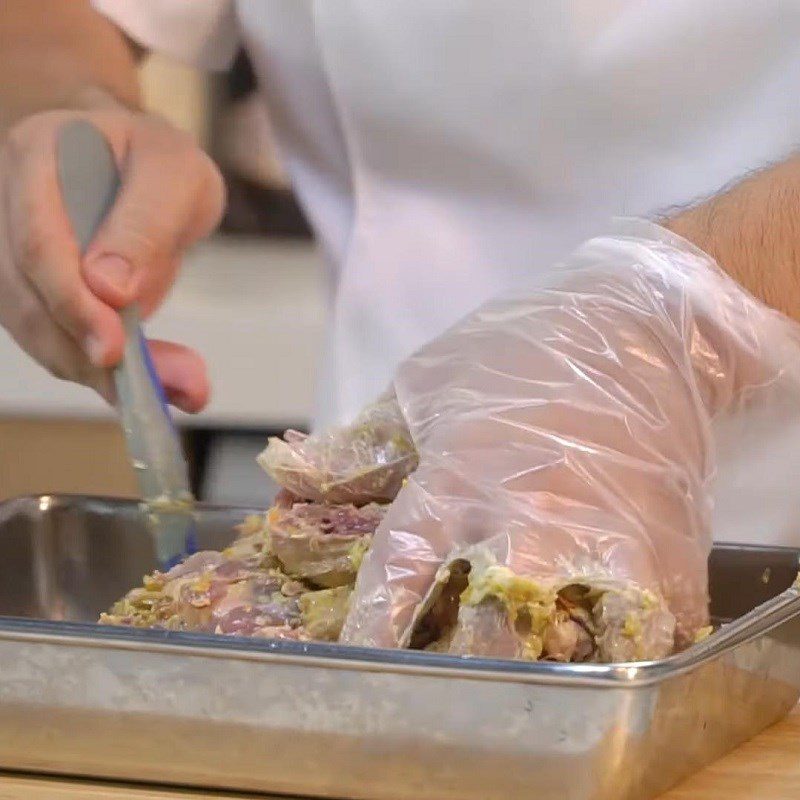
(766, 768)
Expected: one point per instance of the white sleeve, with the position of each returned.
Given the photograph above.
(203, 33)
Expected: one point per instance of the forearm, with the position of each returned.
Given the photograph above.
(57, 54)
(752, 230)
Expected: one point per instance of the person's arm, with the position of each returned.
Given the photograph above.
(61, 60)
(62, 55)
(569, 430)
(752, 230)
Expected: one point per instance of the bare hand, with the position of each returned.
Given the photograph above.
(61, 308)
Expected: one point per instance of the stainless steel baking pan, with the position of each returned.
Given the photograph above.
(330, 721)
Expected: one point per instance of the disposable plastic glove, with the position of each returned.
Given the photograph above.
(566, 456)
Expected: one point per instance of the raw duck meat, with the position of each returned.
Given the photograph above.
(250, 590)
(320, 544)
(289, 573)
(479, 607)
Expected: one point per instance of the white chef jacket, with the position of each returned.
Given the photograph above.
(444, 150)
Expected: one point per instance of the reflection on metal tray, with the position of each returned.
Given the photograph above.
(330, 721)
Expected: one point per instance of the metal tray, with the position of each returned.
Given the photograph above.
(331, 721)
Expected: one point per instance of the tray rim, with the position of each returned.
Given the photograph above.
(757, 622)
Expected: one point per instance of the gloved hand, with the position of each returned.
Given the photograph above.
(566, 457)
(62, 308)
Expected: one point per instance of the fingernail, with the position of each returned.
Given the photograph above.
(179, 399)
(94, 349)
(184, 401)
(113, 270)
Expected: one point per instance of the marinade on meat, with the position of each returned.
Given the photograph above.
(322, 545)
(249, 590)
(479, 607)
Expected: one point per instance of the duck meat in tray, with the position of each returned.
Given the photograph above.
(287, 575)
(290, 572)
